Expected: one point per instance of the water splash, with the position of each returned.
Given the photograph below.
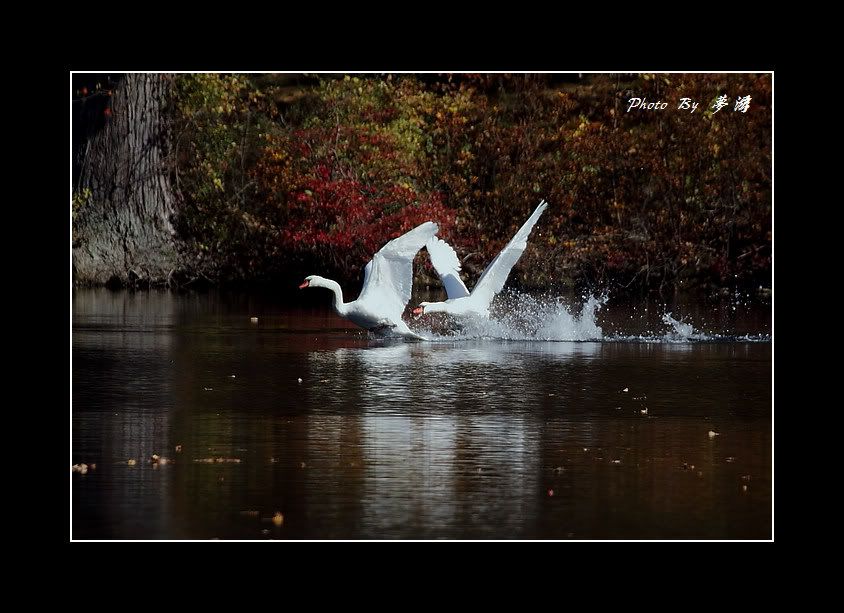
(524, 317)
(562, 324)
(681, 331)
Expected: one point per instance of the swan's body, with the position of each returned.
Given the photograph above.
(461, 302)
(387, 283)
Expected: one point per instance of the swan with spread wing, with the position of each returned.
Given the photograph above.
(387, 283)
(461, 301)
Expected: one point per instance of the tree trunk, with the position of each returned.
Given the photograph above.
(122, 230)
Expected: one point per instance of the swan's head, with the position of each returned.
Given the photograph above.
(313, 281)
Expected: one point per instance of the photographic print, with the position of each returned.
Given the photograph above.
(421, 306)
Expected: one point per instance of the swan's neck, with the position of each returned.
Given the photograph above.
(436, 307)
(338, 295)
(460, 306)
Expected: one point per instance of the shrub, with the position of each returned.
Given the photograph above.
(280, 184)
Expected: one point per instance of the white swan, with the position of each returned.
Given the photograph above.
(387, 282)
(460, 301)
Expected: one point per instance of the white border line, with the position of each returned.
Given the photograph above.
(773, 264)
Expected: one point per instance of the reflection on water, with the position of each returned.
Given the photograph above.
(469, 439)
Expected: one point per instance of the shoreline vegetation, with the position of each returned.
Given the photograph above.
(228, 180)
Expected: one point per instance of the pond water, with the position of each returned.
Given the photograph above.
(299, 426)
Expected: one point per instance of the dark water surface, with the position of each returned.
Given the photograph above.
(473, 439)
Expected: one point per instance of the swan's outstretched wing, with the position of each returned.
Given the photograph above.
(447, 265)
(495, 275)
(388, 284)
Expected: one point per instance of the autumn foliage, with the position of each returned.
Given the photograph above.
(280, 181)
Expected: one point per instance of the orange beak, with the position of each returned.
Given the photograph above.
(305, 284)
(418, 311)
